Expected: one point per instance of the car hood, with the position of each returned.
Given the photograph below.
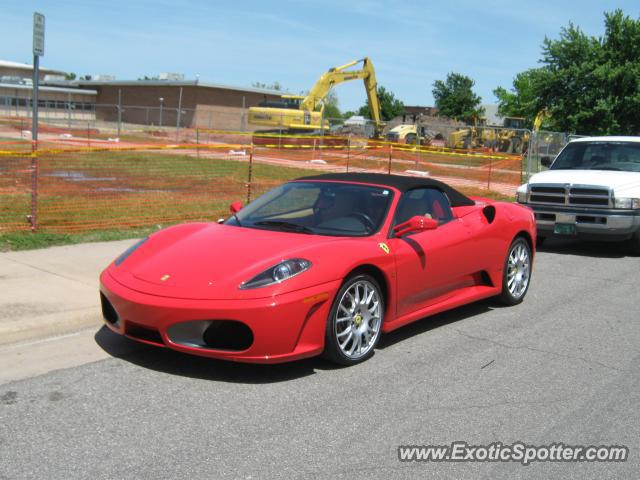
(210, 261)
(623, 183)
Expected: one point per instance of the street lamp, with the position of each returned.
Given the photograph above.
(161, 102)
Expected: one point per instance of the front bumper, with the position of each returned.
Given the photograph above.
(591, 224)
(284, 328)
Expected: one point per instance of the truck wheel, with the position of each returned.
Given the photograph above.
(517, 273)
(634, 243)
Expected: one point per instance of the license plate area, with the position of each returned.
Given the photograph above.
(564, 229)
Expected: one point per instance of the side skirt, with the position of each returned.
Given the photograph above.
(463, 297)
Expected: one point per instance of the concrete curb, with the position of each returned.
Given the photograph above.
(52, 291)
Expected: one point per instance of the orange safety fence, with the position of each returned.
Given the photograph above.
(72, 183)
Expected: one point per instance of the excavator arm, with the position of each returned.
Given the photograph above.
(309, 114)
(337, 75)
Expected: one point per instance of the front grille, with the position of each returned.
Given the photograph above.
(588, 196)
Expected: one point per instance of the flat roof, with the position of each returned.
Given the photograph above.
(174, 83)
(75, 91)
(26, 66)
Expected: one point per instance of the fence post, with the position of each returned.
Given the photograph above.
(533, 140)
(250, 174)
(33, 218)
(88, 134)
(198, 143)
(348, 151)
(390, 156)
(489, 177)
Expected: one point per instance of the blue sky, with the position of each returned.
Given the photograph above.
(411, 43)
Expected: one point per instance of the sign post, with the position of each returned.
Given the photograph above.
(38, 51)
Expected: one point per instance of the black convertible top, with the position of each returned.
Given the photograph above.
(401, 182)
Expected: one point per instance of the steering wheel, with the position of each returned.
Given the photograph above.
(364, 218)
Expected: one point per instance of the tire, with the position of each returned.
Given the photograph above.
(517, 273)
(353, 329)
(540, 241)
(634, 244)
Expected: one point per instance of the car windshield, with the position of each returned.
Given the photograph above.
(605, 155)
(323, 208)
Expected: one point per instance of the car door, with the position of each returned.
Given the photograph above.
(429, 264)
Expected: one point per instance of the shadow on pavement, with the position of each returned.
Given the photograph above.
(585, 248)
(176, 363)
(441, 319)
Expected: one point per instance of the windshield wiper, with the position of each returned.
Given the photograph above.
(288, 226)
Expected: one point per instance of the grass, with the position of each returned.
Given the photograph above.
(27, 240)
(145, 189)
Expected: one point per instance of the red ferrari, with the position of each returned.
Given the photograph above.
(320, 265)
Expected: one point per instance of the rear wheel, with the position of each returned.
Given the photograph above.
(517, 272)
(355, 321)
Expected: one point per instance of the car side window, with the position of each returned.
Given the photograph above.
(427, 202)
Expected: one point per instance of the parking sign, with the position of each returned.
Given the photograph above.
(38, 34)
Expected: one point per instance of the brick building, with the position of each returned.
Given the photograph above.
(160, 102)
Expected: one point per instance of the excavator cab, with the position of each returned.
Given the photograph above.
(291, 102)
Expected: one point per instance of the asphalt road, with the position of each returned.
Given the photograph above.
(562, 367)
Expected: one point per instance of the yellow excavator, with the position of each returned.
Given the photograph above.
(304, 114)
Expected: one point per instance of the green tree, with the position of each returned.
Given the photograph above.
(455, 98)
(70, 76)
(390, 106)
(590, 85)
(523, 99)
(331, 109)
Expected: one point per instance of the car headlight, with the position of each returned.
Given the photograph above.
(626, 203)
(521, 194)
(129, 251)
(278, 273)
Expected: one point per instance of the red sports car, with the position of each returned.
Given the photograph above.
(320, 265)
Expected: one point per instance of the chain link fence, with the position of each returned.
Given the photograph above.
(108, 173)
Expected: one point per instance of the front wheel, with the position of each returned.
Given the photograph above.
(355, 321)
(517, 272)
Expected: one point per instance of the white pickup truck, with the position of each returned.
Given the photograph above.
(591, 191)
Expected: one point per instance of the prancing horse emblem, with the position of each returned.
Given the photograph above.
(384, 247)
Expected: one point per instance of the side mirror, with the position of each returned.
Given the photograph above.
(546, 161)
(235, 207)
(415, 224)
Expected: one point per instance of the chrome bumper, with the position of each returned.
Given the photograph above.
(597, 223)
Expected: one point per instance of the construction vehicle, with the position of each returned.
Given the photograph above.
(305, 114)
(510, 138)
(412, 134)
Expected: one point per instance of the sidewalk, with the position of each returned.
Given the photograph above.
(52, 291)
